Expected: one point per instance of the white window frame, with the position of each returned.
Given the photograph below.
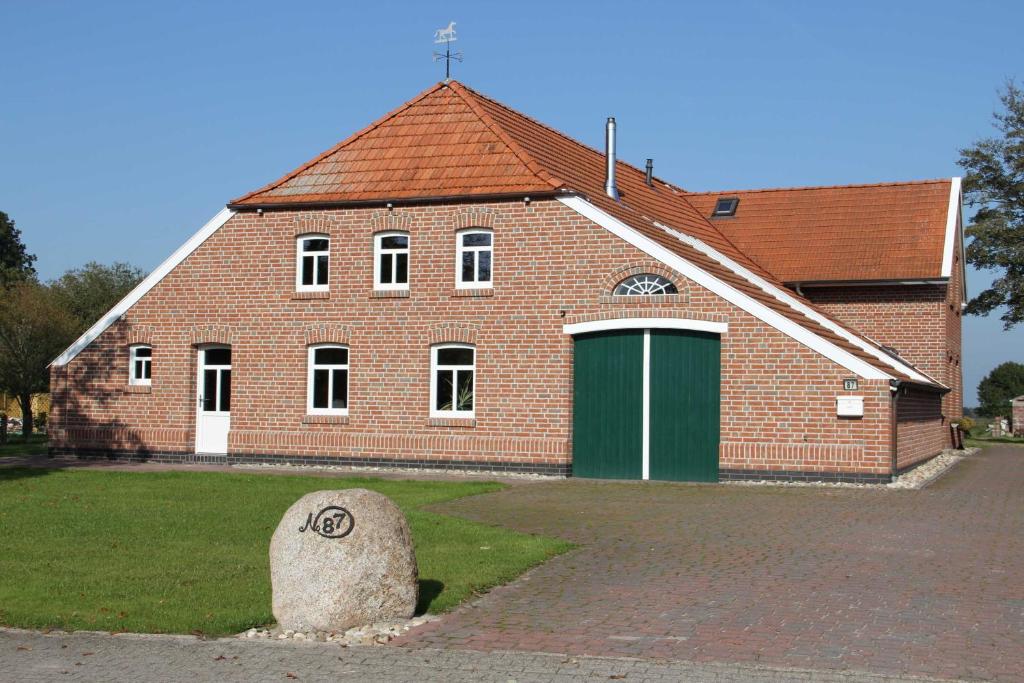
(132, 358)
(299, 254)
(460, 250)
(435, 368)
(311, 366)
(379, 251)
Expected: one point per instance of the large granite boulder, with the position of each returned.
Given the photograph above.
(340, 559)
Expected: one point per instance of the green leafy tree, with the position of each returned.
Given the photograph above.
(15, 261)
(994, 184)
(1005, 382)
(92, 290)
(34, 328)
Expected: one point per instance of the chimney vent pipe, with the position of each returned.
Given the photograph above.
(649, 179)
(610, 186)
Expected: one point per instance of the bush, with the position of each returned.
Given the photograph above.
(966, 424)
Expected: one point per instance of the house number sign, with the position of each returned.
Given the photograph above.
(850, 384)
(331, 522)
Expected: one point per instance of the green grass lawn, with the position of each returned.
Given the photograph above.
(36, 445)
(180, 552)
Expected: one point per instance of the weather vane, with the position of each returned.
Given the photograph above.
(447, 36)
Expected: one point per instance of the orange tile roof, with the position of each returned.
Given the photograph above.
(451, 141)
(886, 231)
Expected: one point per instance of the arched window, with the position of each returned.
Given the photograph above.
(312, 261)
(141, 364)
(474, 252)
(391, 260)
(645, 284)
(327, 383)
(453, 367)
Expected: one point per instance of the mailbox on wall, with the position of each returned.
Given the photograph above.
(850, 406)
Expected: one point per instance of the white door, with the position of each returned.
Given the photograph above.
(213, 415)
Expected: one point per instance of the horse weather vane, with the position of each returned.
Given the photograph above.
(447, 37)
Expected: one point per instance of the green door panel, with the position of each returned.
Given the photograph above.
(608, 405)
(684, 408)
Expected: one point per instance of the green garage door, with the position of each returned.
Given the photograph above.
(684, 407)
(682, 410)
(608, 405)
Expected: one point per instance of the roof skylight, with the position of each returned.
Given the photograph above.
(726, 206)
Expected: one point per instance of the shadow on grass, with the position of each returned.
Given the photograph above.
(14, 473)
(429, 590)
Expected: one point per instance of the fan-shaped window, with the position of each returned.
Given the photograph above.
(646, 284)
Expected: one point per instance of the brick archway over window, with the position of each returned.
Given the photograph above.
(390, 220)
(462, 333)
(305, 225)
(640, 268)
(473, 218)
(209, 334)
(139, 334)
(326, 334)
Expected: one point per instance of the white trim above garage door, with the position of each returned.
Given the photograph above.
(646, 324)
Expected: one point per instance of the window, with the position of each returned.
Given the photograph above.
(141, 364)
(451, 380)
(645, 284)
(327, 384)
(474, 258)
(313, 256)
(391, 260)
(726, 206)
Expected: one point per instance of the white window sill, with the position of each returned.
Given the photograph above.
(390, 294)
(473, 292)
(312, 294)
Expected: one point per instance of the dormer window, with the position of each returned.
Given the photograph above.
(646, 284)
(725, 206)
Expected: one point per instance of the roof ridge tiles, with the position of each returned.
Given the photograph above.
(895, 183)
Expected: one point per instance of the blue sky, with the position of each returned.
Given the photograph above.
(125, 126)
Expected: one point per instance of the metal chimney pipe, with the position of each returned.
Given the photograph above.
(610, 187)
(650, 173)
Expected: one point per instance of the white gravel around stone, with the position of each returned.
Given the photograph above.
(380, 633)
(917, 478)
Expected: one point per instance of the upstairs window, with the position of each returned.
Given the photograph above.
(313, 257)
(646, 284)
(725, 206)
(141, 364)
(474, 258)
(453, 367)
(391, 260)
(327, 384)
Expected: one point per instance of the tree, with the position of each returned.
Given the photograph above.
(15, 261)
(994, 183)
(34, 328)
(1005, 382)
(90, 291)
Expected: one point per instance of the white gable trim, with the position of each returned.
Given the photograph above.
(798, 305)
(646, 324)
(143, 287)
(763, 313)
(952, 222)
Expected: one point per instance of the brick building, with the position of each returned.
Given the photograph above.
(458, 285)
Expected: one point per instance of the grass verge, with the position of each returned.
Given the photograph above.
(16, 445)
(182, 552)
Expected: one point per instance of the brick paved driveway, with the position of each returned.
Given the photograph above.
(924, 582)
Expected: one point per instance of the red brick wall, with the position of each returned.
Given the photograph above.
(922, 322)
(551, 267)
(920, 430)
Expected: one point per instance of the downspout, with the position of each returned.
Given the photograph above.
(894, 388)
